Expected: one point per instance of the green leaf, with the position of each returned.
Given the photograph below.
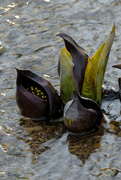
(95, 70)
(95, 61)
(88, 88)
(67, 85)
(103, 59)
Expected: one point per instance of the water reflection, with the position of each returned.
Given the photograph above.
(41, 132)
(83, 146)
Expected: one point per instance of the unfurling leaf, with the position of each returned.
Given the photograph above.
(95, 70)
(103, 59)
(79, 59)
(67, 85)
(89, 88)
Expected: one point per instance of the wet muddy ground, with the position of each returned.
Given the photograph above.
(38, 150)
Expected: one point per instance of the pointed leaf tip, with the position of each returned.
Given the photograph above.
(113, 28)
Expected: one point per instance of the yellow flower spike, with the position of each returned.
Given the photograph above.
(32, 88)
(69, 122)
(42, 93)
(66, 122)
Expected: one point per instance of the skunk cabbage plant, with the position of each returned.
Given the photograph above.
(82, 114)
(83, 73)
(36, 97)
(81, 79)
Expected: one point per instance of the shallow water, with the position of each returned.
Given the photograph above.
(31, 150)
